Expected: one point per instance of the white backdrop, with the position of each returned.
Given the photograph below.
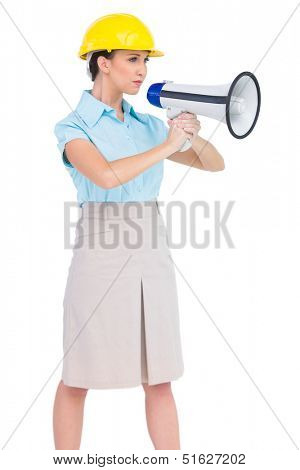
(239, 306)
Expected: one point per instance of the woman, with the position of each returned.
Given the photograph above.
(121, 322)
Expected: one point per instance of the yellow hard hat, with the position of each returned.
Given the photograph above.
(118, 31)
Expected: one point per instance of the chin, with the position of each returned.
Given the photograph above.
(131, 92)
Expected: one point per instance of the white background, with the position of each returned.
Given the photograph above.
(239, 307)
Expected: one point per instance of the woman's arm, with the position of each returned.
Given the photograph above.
(89, 161)
(202, 155)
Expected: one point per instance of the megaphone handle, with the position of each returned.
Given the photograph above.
(173, 113)
(185, 146)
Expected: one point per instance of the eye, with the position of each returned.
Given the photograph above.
(133, 58)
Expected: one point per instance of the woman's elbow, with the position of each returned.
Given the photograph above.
(104, 182)
(107, 180)
(219, 166)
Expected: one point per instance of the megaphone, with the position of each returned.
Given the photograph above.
(236, 104)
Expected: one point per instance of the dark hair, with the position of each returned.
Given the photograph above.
(94, 69)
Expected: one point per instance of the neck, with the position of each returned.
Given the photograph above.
(108, 95)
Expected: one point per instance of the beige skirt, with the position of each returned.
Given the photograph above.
(121, 319)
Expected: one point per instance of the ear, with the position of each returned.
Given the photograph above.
(102, 64)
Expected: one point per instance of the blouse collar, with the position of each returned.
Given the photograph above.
(90, 109)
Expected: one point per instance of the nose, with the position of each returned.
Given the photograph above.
(142, 75)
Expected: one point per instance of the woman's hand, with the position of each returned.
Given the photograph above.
(189, 123)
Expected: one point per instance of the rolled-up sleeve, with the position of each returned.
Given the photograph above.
(65, 132)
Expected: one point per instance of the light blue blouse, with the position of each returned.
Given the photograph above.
(97, 122)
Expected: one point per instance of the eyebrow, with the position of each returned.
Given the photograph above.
(133, 53)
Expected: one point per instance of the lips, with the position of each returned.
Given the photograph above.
(137, 81)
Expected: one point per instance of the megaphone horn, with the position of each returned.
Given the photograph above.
(237, 104)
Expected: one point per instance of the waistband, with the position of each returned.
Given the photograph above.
(120, 210)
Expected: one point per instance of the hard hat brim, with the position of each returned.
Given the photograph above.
(153, 53)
